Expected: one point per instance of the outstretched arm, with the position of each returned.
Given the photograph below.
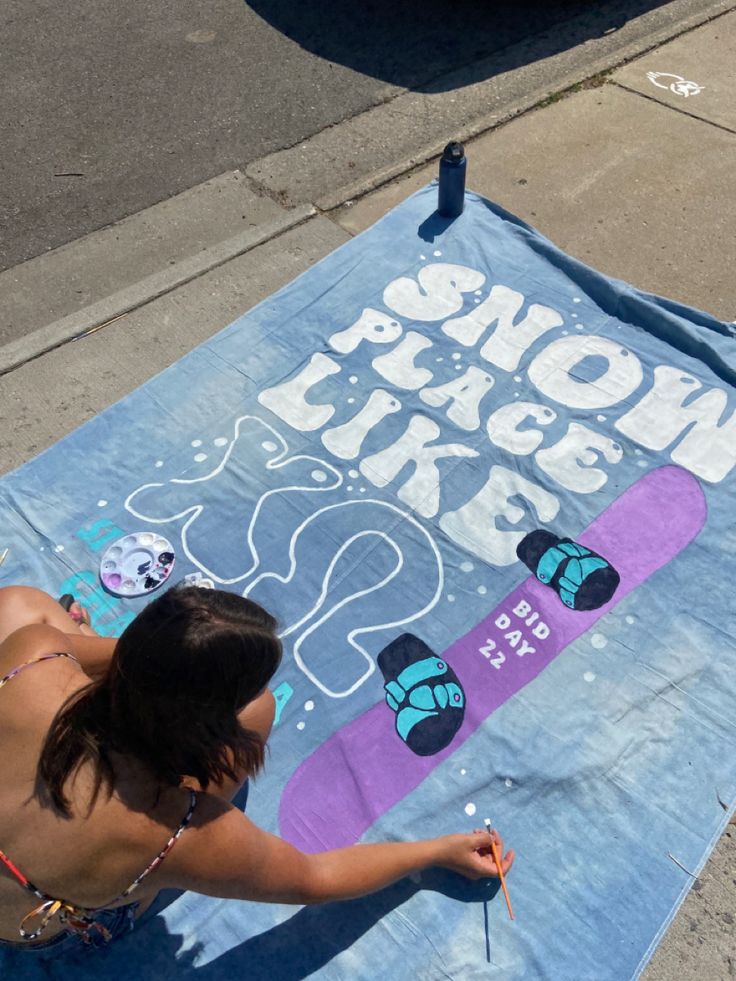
(226, 855)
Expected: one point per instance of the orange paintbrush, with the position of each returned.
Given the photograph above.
(497, 858)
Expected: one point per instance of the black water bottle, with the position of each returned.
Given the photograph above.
(452, 181)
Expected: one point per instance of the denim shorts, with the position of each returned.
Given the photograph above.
(118, 921)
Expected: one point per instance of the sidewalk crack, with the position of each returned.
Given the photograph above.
(666, 105)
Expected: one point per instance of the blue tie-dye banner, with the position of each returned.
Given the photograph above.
(488, 494)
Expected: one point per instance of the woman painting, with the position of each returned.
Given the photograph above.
(119, 762)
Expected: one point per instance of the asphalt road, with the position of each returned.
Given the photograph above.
(108, 108)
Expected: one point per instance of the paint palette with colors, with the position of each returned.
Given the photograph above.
(137, 564)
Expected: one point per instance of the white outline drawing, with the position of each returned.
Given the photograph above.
(195, 510)
(276, 462)
(323, 592)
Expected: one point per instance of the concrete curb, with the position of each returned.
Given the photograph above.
(511, 93)
(421, 122)
(116, 305)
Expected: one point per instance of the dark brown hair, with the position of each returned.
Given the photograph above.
(180, 673)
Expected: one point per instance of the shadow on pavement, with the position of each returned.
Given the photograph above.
(415, 42)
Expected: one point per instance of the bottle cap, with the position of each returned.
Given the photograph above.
(453, 152)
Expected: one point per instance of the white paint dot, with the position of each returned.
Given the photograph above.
(353, 379)
(422, 257)
(565, 332)
(476, 300)
(319, 476)
(589, 676)
(517, 378)
(482, 590)
(354, 474)
(478, 292)
(436, 252)
(269, 446)
(598, 641)
(350, 487)
(159, 463)
(517, 395)
(456, 356)
(466, 566)
(58, 548)
(362, 490)
(200, 457)
(470, 809)
(351, 400)
(641, 463)
(637, 451)
(300, 725)
(458, 367)
(576, 299)
(102, 504)
(463, 772)
(308, 706)
(196, 442)
(439, 360)
(43, 548)
(573, 315)
(630, 620)
(601, 418)
(579, 326)
(509, 782)
(220, 441)
(450, 598)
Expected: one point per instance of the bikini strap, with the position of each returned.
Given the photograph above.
(164, 851)
(37, 660)
(76, 918)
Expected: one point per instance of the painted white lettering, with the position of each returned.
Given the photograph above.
(503, 622)
(509, 340)
(465, 393)
(473, 526)
(570, 461)
(422, 490)
(503, 426)
(487, 648)
(553, 372)
(513, 637)
(522, 608)
(288, 400)
(526, 649)
(345, 441)
(541, 631)
(437, 294)
(372, 325)
(398, 367)
(708, 449)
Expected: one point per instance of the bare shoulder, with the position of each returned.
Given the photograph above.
(32, 642)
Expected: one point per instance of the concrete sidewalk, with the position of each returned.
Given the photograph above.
(631, 171)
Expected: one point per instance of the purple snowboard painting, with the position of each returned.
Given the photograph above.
(364, 769)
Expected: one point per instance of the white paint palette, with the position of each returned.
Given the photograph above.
(137, 564)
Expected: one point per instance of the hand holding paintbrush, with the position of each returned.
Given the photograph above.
(496, 852)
